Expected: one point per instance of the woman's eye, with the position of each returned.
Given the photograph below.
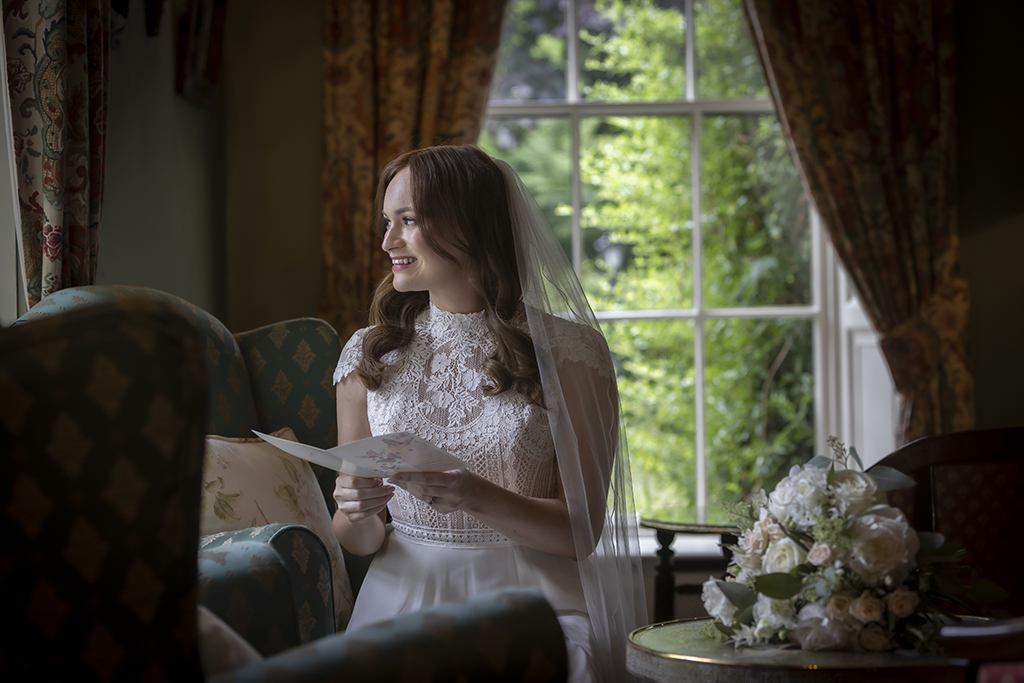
(408, 220)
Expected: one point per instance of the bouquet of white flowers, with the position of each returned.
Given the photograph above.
(825, 563)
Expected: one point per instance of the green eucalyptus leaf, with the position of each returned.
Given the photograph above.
(951, 548)
(820, 461)
(945, 558)
(779, 586)
(860, 463)
(889, 479)
(930, 541)
(727, 630)
(746, 616)
(738, 594)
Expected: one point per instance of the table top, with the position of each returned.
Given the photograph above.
(675, 651)
(688, 528)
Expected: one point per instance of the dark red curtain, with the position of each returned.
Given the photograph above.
(398, 74)
(865, 93)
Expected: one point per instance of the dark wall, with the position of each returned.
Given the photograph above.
(990, 200)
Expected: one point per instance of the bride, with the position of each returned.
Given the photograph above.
(482, 342)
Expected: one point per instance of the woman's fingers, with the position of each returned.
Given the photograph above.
(444, 491)
(361, 497)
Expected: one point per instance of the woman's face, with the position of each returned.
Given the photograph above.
(416, 266)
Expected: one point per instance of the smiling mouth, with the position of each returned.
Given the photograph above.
(402, 261)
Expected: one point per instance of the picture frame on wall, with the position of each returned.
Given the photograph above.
(199, 48)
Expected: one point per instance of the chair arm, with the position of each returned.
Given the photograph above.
(271, 584)
(990, 641)
(507, 635)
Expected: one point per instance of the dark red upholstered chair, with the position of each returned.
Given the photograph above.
(994, 650)
(970, 488)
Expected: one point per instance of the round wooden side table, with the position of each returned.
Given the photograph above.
(675, 651)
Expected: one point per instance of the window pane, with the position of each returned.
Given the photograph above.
(539, 151)
(636, 220)
(532, 60)
(759, 406)
(654, 364)
(754, 215)
(727, 64)
(632, 50)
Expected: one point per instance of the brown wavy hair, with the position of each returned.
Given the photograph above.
(460, 198)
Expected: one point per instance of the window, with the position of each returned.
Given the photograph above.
(645, 131)
(12, 294)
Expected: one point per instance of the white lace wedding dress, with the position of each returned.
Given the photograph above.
(433, 388)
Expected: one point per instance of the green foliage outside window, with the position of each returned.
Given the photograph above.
(639, 234)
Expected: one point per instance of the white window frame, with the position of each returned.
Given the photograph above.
(13, 300)
(823, 309)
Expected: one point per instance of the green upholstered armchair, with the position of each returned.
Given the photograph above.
(102, 418)
(272, 377)
(103, 409)
(101, 449)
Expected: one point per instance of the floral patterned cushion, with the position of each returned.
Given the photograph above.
(249, 483)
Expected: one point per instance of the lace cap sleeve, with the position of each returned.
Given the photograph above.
(350, 355)
(575, 343)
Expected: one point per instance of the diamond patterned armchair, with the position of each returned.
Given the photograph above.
(103, 410)
(272, 377)
(101, 449)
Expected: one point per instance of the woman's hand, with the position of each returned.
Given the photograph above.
(443, 491)
(361, 498)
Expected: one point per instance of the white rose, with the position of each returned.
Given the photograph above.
(902, 602)
(867, 608)
(815, 630)
(783, 556)
(773, 614)
(874, 638)
(854, 492)
(784, 495)
(820, 554)
(716, 604)
(883, 545)
(801, 497)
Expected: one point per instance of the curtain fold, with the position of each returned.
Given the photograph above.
(865, 91)
(57, 62)
(398, 74)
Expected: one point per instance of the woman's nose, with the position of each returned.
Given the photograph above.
(390, 240)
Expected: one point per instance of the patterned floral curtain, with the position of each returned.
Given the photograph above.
(865, 92)
(398, 74)
(57, 59)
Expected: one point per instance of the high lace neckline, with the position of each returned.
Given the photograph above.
(439, 319)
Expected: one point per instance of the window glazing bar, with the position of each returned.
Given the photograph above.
(691, 67)
(506, 108)
(572, 41)
(696, 125)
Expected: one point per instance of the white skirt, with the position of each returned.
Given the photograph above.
(406, 576)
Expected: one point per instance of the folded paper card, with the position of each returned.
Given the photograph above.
(377, 456)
